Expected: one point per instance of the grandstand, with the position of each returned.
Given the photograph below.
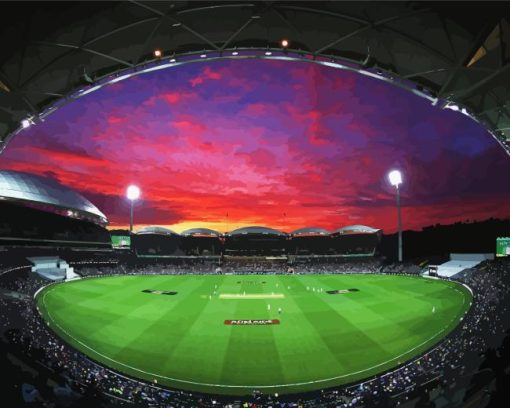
(356, 240)
(311, 240)
(201, 241)
(256, 241)
(155, 241)
(37, 211)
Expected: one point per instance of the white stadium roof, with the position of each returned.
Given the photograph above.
(256, 230)
(155, 230)
(356, 229)
(25, 187)
(310, 231)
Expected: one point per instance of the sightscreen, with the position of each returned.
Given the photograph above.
(503, 246)
(120, 241)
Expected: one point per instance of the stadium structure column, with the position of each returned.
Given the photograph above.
(133, 192)
(399, 226)
(395, 177)
(131, 218)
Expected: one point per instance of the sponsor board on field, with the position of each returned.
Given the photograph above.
(159, 292)
(251, 322)
(341, 291)
(250, 282)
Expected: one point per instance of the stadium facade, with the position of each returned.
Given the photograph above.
(201, 241)
(39, 211)
(156, 241)
(153, 241)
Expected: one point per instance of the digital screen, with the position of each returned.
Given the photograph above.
(503, 246)
(120, 241)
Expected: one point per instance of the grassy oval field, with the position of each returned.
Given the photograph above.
(139, 326)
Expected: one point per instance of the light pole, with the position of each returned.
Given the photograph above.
(133, 192)
(396, 179)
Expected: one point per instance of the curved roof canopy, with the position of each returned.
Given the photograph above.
(455, 56)
(43, 191)
(200, 232)
(310, 231)
(155, 230)
(356, 229)
(256, 230)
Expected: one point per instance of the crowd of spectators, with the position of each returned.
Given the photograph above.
(47, 372)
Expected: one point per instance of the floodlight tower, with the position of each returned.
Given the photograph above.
(395, 177)
(133, 192)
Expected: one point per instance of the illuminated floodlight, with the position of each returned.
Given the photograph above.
(203, 55)
(285, 43)
(268, 53)
(25, 123)
(235, 53)
(395, 178)
(133, 192)
(173, 60)
(158, 53)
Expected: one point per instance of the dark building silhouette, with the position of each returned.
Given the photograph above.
(441, 240)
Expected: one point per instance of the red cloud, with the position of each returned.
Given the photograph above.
(206, 74)
(61, 157)
(115, 120)
(172, 97)
(256, 109)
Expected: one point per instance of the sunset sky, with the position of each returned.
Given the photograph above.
(280, 144)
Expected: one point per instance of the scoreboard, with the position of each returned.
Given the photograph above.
(503, 246)
(121, 241)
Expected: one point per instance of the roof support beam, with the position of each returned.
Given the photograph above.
(234, 35)
(149, 37)
(473, 47)
(184, 26)
(326, 13)
(246, 24)
(16, 90)
(367, 27)
(467, 92)
(430, 71)
(76, 47)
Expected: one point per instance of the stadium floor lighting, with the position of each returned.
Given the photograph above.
(307, 340)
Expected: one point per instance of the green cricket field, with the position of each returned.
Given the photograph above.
(233, 334)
